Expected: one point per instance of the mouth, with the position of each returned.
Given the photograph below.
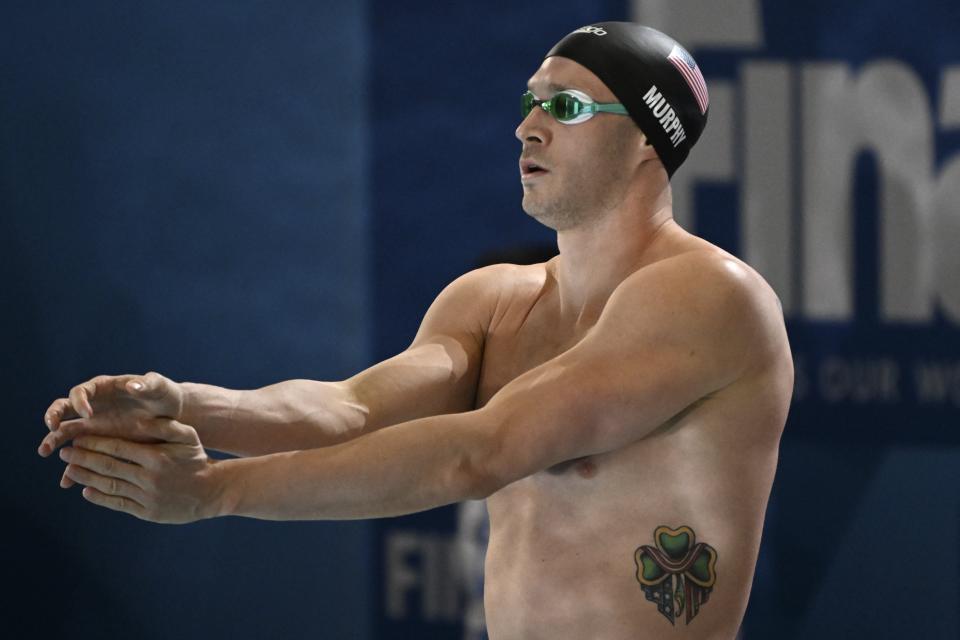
(530, 169)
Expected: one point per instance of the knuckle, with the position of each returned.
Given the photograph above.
(114, 488)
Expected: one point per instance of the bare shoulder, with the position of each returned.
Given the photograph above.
(486, 287)
(708, 299)
(497, 279)
(502, 284)
(467, 305)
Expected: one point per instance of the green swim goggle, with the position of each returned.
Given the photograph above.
(569, 106)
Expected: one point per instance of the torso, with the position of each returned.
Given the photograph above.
(561, 559)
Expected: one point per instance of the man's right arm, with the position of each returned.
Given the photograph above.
(436, 374)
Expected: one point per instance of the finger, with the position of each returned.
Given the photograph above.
(80, 397)
(65, 481)
(67, 431)
(143, 455)
(104, 465)
(105, 485)
(63, 409)
(153, 430)
(115, 503)
(58, 411)
(167, 430)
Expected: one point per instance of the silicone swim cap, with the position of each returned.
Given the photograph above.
(652, 76)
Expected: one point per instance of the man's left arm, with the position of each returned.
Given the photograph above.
(671, 334)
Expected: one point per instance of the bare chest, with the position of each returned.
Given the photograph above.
(525, 335)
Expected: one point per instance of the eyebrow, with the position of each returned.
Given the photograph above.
(553, 87)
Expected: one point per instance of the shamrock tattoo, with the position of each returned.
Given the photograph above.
(678, 573)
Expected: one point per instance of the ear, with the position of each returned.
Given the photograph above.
(647, 151)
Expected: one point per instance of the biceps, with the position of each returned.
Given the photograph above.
(577, 406)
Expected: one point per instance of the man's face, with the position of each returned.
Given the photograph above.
(586, 168)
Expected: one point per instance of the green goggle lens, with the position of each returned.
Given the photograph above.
(562, 106)
(568, 107)
(526, 104)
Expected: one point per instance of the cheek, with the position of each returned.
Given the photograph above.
(593, 157)
(593, 164)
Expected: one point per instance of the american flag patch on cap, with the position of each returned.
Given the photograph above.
(685, 64)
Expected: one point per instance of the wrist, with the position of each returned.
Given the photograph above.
(220, 491)
(188, 392)
(183, 394)
(204, 403)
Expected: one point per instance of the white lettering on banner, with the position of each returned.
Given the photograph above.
(884, 110)
(860, 381)
(877, 380)
(766, 226)
(716, 25)
(421, 564)
(946, 204)
(807, 123)
(937, 383)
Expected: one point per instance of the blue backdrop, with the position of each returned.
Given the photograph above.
(183, 188)
(237, 193)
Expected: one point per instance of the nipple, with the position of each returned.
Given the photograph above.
(586, 468)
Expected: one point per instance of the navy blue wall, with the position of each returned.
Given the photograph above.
(183, 188)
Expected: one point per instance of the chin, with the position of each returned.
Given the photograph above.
(548, 217)
(547, 222)
(536, 211)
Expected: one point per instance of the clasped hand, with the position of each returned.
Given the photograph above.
(128, 450)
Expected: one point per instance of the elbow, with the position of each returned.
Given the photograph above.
(352, 414)
(482, 485)
(484, 468)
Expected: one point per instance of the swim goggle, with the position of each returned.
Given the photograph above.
(569, 106)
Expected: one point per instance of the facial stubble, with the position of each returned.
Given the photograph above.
(584, 191)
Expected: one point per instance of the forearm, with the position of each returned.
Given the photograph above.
(410, 467)
(287, 416)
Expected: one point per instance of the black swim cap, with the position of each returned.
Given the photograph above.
(652, 76)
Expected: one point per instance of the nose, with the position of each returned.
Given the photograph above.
(535, 128)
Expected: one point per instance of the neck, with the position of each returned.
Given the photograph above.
(596, 257)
